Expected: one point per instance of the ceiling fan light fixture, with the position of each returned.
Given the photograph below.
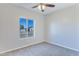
(41, 7)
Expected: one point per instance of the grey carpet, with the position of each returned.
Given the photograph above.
(42, 49)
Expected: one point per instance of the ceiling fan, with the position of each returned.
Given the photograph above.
(42, 6)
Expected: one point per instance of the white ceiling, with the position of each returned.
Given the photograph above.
(48, 10)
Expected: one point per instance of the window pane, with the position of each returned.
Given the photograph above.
(30, 28)
(23, 27)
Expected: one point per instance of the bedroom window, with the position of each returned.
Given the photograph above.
(26, 27)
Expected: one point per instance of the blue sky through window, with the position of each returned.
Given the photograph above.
(30, 23)
(23, 22)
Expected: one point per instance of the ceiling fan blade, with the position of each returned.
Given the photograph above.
(50, 5)
(35, 6)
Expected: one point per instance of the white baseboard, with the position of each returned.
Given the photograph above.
(22, 47)
(63, 46)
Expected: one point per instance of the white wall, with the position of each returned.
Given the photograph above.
(62, 27)
(9, 27)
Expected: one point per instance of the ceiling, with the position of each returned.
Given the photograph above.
(48, 10)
